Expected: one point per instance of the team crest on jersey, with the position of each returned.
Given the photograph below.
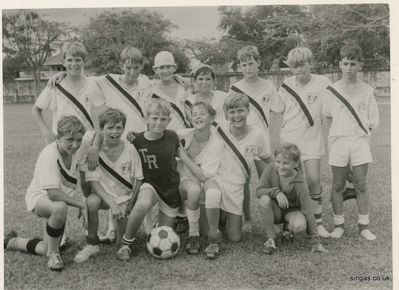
(140, 93)
(312, 97)
(266, 99)
(249, 149)
(86, 99)
(125, 168)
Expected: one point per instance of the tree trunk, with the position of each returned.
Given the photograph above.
(36, 82)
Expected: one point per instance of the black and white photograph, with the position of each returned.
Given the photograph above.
(199, 145)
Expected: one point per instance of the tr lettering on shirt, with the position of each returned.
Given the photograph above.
(150, 159)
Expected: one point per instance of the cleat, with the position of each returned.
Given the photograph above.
(337, 233)
(322, 232)
(10, 235)
(368, 235)
(109, 238)
(55, 262)
(269, 247)
(212, 251)
(65, 243)
(124, 253)
(87, 252)
(193, 245)
(287, 237)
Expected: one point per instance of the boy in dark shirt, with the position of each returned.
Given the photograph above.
(284, 197)
(157, 148)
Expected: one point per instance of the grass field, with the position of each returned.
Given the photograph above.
(240, 266)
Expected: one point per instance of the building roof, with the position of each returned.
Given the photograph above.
(55, 60)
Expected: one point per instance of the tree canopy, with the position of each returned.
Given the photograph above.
(27, 37)
(276, 29)
(108, 33)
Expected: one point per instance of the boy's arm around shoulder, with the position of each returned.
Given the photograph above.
(266, 185)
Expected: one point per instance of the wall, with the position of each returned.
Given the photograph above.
(22, 91)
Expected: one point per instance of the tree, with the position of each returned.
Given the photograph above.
(28, 37)
(276, 29)
(108, 33)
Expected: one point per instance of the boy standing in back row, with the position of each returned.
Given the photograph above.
(261, 94)
(354, 111)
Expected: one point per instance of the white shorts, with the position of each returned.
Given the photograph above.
(166, 209)
(232, 196)
(306, 157)
(352, 150)
(31, 199)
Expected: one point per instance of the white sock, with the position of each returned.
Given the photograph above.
(364, 219)
(193, 221)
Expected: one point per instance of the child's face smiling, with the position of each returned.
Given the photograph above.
(74, 65)
(249, 68)
(238, 116)
(201, 118)
(349, 68)
(131, 71)
(204, 82)
(69, 143)
(157, 122)
(165, 72)
(112, 132)
(285, 166)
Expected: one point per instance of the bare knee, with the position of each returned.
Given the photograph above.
(93, 203)
(143, 205)
(297, 226)
(265, 202)
(59, 211)
(338, 185)
(314, 183)
(360, 185)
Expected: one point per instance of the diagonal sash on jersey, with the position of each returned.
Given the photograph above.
(300, 102)
(258, 109)
(131, 101)
(176, 109)
(234, 151)
(115, 174)
(66, 179)
(349, 107)
(79, 108)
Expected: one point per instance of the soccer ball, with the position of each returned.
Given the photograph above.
(163, 242)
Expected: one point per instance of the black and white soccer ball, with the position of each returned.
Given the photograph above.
(163, 242)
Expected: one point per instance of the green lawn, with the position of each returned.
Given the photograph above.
(240, 266)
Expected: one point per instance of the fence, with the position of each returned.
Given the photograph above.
(22, 90)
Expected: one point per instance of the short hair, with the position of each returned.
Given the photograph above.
(131, 56)
(204, 70)
(248, 52)
(69, 125)
(352, 52)
(157, 106)
(299, 56)
(76, 49)
(289, 151)
(234, 100)
(207, 106)
(111, 116)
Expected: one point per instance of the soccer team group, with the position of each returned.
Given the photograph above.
(158, 143)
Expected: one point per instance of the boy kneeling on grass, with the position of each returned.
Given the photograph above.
(284, 198)
(114, 181)
(50, 192)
